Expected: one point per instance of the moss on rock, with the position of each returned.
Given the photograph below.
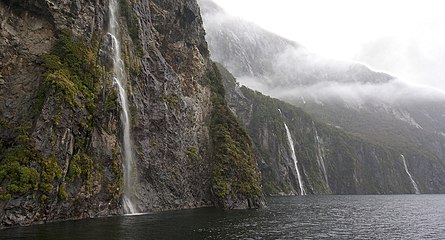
(234, 171)
(24, 169)
(72, 71)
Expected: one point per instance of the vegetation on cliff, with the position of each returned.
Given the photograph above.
(354, 165)
(72, 78)
(72, 71)
(23, 169)
(234, 173)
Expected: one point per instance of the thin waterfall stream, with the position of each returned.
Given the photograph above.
(294, 157)
(416, 188)
(320, 155)
(120, 79)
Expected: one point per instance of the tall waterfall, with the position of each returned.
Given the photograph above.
(294, 157)
(320, 155)
(119, 78)
(416, 188)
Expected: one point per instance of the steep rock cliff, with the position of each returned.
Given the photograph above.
(350, 97)
(61, 147)
(330, 160)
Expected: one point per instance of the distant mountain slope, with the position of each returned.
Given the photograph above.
(331, 161)
(250, 51)
(350, 96)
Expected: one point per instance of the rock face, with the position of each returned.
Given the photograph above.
(355, 101)
(52, 152)
(330, 160)
(61, 148)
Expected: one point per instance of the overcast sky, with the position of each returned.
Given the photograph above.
(405, 38)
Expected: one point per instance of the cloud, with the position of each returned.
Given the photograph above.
(274, 66)
(403, 38)
(354, 94)
(412, 60)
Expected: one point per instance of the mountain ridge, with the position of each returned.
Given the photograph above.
(333, 161)
(247, 50)
(351, 97)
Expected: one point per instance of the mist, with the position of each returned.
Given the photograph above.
(354, 94)
(379, 70)
(297, 73)
(403, 38)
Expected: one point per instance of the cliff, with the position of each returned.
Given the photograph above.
(361, 101)
(330, 160)
(387, 116)
(61, 128)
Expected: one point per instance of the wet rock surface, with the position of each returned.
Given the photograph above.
(69, 118)
(353, 165)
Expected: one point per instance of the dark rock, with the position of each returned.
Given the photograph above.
(167, 65)
(353, 165)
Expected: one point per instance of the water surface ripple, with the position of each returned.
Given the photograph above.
(299, 217)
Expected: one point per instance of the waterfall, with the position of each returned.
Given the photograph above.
(416, 188)
(294, 157)
(119, 79)
(320, 154)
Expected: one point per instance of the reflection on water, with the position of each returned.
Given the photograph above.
(299, 217)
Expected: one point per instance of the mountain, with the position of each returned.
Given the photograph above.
(331, 161)
(115, 107)
(106, 111)
(349, 96)
(249, 51)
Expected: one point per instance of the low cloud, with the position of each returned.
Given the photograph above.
(412, 68)
(418, 61)
(392, 92)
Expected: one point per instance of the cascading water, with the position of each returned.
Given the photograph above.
(119, 78)
(320, 155)
(294, 157)
(416, 188)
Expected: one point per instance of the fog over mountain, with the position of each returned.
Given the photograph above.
(351, 96)
(285, 69)
(403, 38)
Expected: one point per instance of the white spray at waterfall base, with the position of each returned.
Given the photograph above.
(416, 188)
(119, 78)
(294, 157)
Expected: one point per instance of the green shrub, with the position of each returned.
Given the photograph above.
(82, 166)
(192, 154)
(172, 101)
(72, 70)
(63, 195)
(50, 172)
(16, 171)
(24, 169)
(234, 170)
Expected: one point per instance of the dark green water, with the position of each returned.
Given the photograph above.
(300, 217)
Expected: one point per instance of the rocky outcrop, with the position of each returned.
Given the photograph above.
(61, 148)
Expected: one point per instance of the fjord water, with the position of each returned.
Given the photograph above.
(295, 217)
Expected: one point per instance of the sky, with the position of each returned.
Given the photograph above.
(405, 38)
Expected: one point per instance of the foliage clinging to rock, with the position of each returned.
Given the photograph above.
(234, 168)
(72, 70)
